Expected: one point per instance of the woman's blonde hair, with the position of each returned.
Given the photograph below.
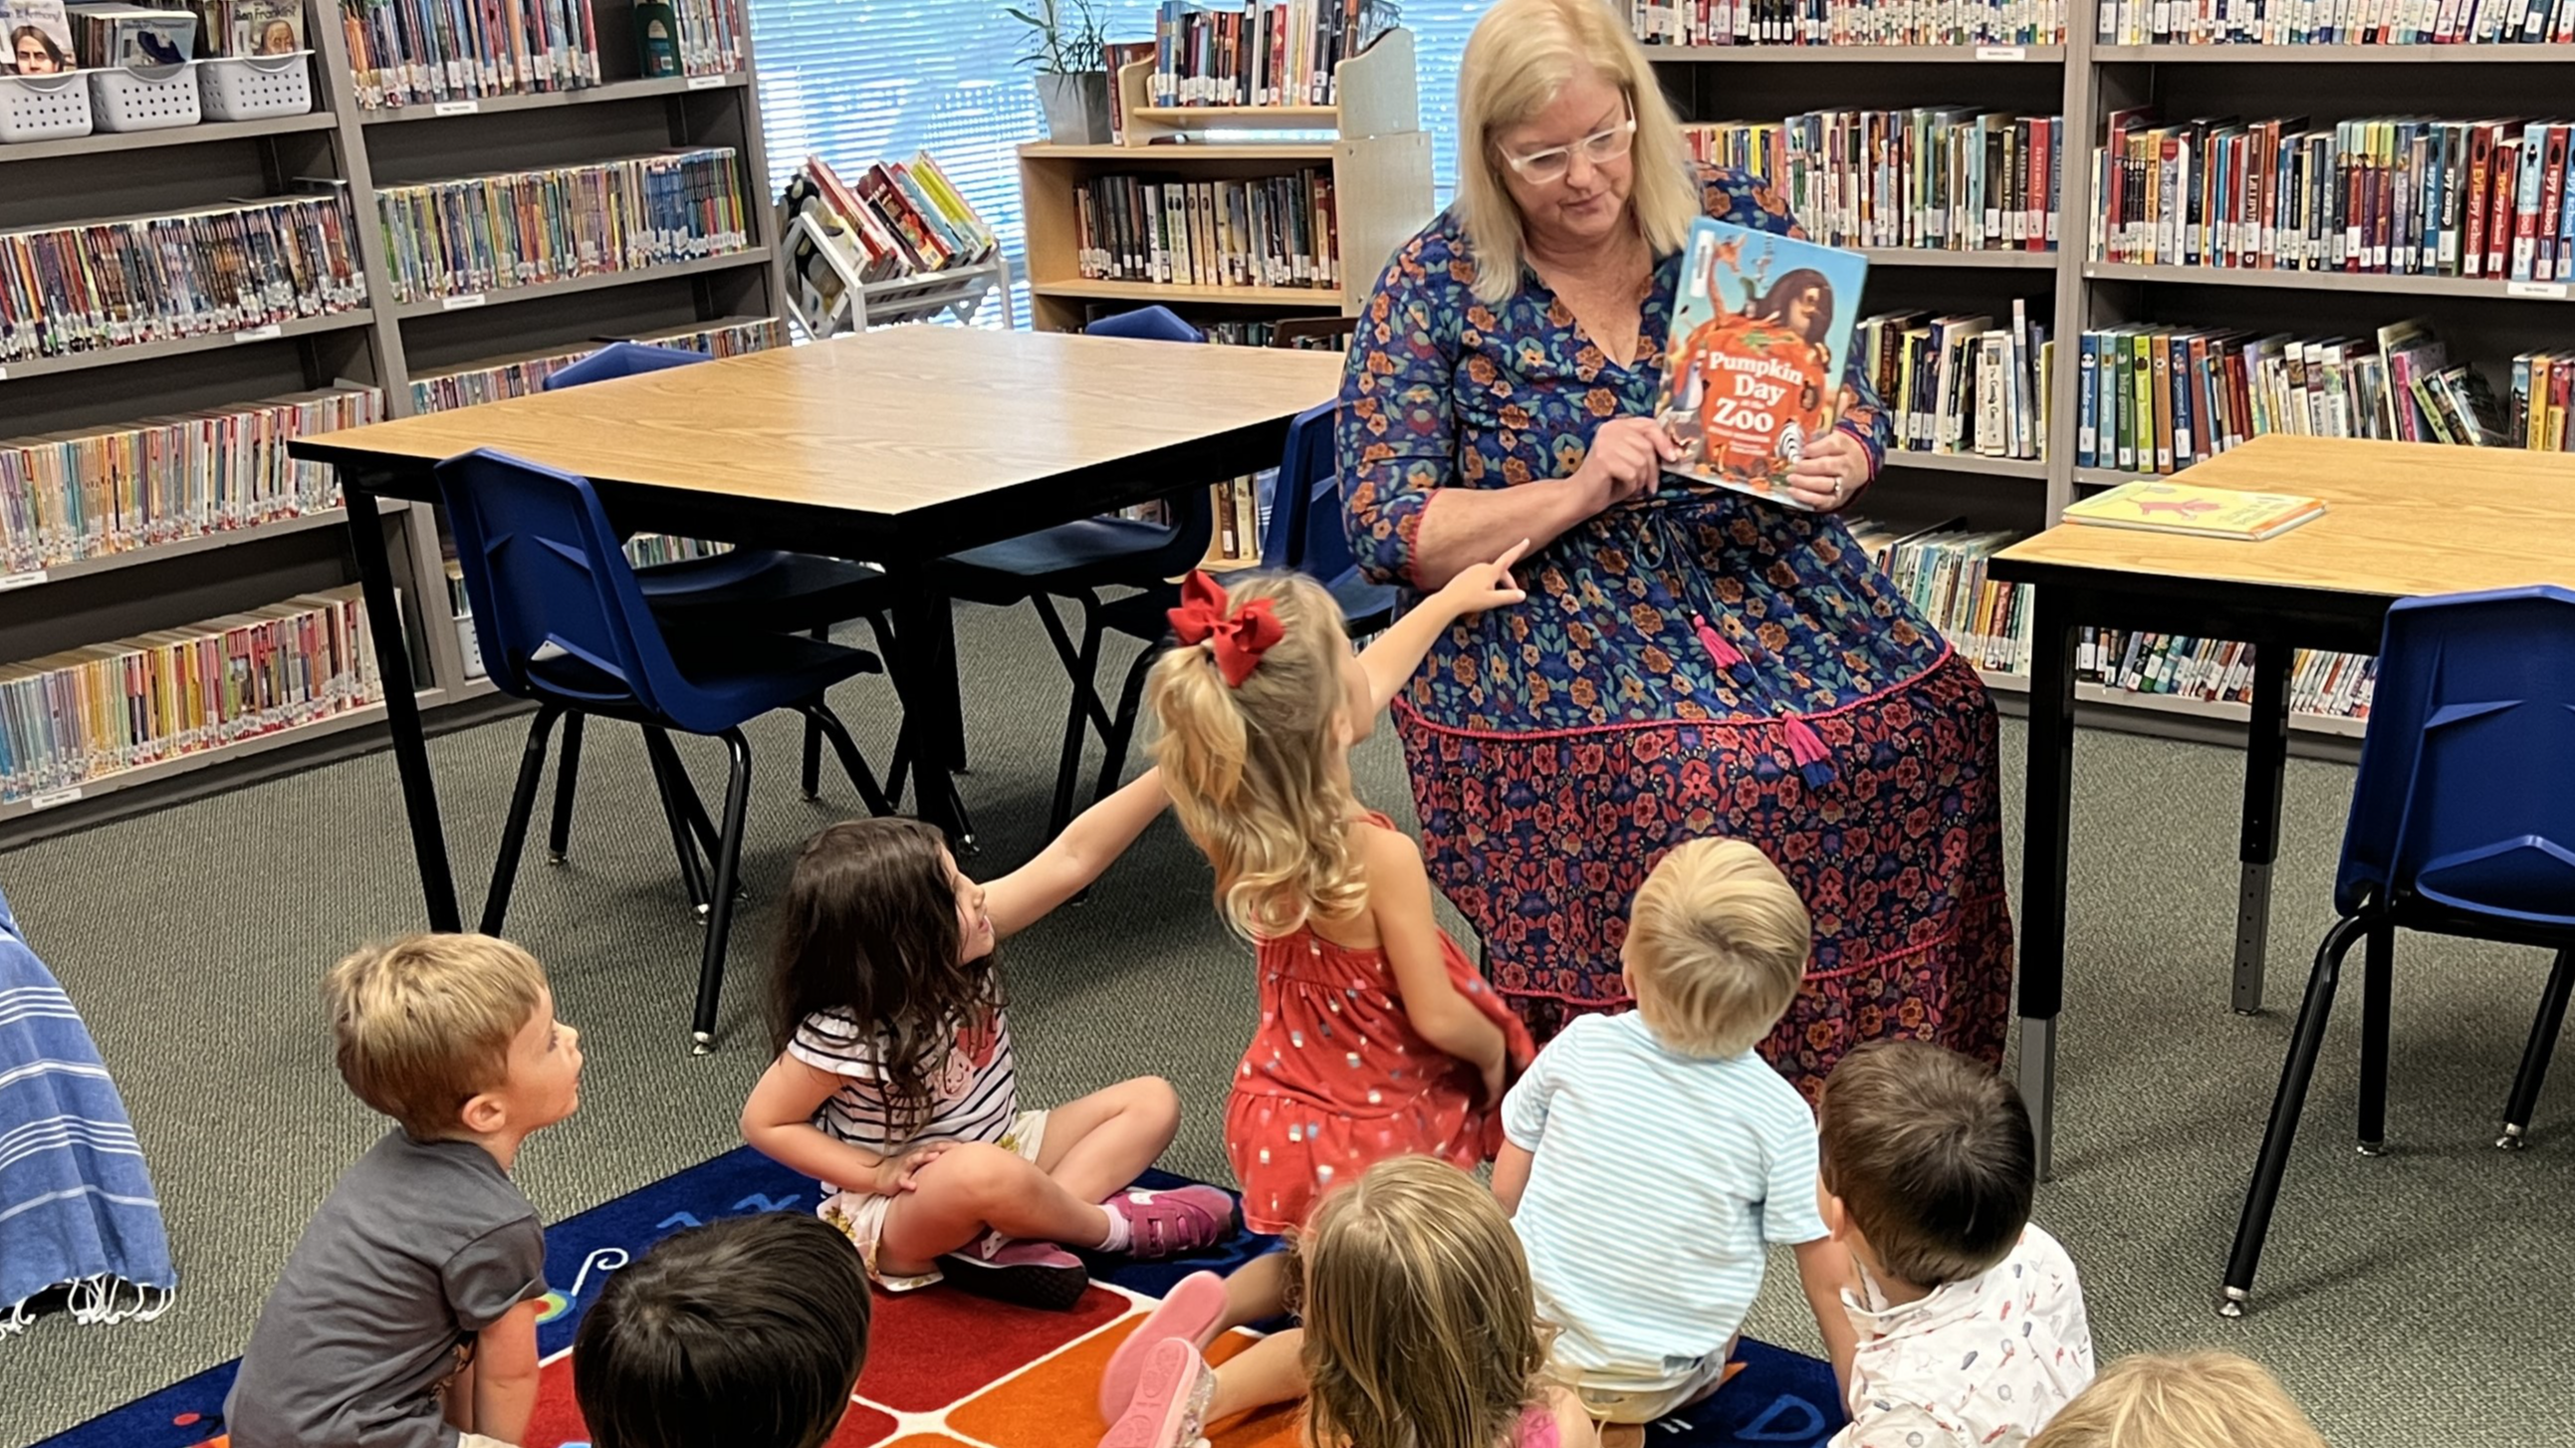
(1421, 1326)
(1256, 770)
(1519, 57)
(2201, 1400)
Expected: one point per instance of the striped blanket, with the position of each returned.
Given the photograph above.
(78, 1221)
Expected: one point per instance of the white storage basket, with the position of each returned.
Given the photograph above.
(249, 87)
(145, 98)
(43, 107)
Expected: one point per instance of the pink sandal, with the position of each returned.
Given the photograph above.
(1189, 1312)
(1173, 1387)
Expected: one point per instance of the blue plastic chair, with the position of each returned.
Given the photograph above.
(1076, 560)
(765, 590)
(562, 621)
(2463, 823)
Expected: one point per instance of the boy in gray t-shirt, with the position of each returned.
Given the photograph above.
(408, 1312)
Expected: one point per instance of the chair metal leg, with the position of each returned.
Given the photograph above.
(669, 781)
(2377, 954)
(1122, 725)
(819, 720)
(2536, 1054)
(2286, 1103)
(692, 809)
(702, 1028)
(813, 775)
(1082, 666)
(567, 772)
(514, 832)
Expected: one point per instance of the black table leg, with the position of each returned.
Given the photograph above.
(402, 702)
(2048, 781)
(925, 674)
(2267, 753)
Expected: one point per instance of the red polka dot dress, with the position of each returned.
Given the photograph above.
(1336, 1078)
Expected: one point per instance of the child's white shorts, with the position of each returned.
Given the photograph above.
(1613, 1398)
(861, 1215)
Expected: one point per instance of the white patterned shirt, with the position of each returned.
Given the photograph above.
(1984, 1361)
(974, 1089)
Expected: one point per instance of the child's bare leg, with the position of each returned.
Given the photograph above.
(1258, 1290)
(976, 1186)
(1096, 1145)
(1272, 1371)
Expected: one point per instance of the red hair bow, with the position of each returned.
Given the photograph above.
(1238, 639)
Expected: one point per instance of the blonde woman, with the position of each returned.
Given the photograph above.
(1691, 662)
(1419, 1328)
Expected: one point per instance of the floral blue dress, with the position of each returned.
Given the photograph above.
(1693, 664)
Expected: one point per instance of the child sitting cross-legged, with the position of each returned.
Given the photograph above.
(1419, 1328)
(1706, 1151)
(1970, 1319)
(408, 1311)
(895, 1082)
(750, 1330)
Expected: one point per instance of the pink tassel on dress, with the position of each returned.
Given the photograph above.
(1815, 762)
(1728, 657)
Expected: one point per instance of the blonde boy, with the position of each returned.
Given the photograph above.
(1651, 1156)
(408, 1313)
(2203, 1400)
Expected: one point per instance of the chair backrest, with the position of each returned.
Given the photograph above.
(620, 359)
(1147, 324)
(1305, 471)
(2467, 789)
(556, 607)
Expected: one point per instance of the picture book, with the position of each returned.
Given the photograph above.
(132, 35)
(2163, 507)
(252, 27)
(39, 35)
(1762, 332)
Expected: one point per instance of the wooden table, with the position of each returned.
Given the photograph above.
(2401, 519)
(895, 446)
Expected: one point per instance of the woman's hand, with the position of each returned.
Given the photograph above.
(1483, 586)
(1831, 472)
(1628, 455)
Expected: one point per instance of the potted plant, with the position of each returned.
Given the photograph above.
(1065, 49)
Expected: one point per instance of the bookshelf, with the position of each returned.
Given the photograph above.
(1370, 143)
(171, 583)
(2483, 320)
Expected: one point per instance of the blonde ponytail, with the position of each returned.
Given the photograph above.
(1254, 769)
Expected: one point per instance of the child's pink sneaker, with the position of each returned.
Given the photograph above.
(1166, 1222)
(1189, 1312)
(1172, 1393)
(1017, 1270)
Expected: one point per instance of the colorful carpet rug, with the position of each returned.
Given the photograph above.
(944, 1368)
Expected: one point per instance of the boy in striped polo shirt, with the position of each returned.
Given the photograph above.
(1708, 1153)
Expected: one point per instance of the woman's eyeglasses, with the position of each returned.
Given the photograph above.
(1600, 148)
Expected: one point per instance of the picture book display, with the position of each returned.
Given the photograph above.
(1762, 331)
(39, 33)
(2162, 507)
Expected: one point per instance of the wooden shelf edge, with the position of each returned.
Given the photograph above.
(1178, 292)
(1241, 117)
(205, 133)
(2333, 54)
(1978, 463)
(1191, 151)
(82, 568)
(1944, 257)
(1864, 54)
(613, 91)
(179, 346)
(504, 296)
(2369, 283)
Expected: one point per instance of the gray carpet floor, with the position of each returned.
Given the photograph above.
(2422, 1297)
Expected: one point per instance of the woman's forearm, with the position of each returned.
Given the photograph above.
(1463, 526)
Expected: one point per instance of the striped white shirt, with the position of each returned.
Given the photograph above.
(1656, 1180)
(974, 1090)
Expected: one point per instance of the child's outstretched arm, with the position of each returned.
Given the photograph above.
(1073, 860)
(1391, 659)
(1400, 900)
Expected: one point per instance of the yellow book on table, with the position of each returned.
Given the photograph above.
(2209, 512)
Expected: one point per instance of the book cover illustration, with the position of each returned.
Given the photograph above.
(2164, 507)
(1762, 333)
(39, 33)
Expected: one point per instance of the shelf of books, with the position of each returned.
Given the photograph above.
(179, 592)
(2077, 278)
(1243, 177)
